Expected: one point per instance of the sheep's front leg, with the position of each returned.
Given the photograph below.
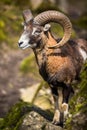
(67, 90)
(57, 101)
(56, 118)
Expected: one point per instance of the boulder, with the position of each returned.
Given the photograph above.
(25, 116)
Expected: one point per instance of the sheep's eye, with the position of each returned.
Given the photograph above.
(37, 32)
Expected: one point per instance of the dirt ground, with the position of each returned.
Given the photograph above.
(11, 80)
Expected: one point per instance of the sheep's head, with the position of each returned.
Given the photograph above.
(34, 27)
(31, 36)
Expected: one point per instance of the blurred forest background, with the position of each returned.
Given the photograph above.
(19, 78)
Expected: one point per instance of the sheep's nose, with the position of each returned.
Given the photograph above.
(20, 43)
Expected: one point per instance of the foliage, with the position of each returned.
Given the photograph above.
(28, 65)
(46, 5)
(81, 22)
(11, 18)
(9, 25)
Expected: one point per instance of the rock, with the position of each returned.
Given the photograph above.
(78, 105)
(34, 121)
(24, 116)
(38, 95)
(27, 94)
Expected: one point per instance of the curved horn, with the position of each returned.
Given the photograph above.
(55, 16)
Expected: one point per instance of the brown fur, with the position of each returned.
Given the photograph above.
(59, 67)
(61, 62)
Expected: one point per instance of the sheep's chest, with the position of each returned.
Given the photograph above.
(59, 68)
(55, 67)
(55, 64)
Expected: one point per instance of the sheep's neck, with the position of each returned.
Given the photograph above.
(42, 52)
(41, 56)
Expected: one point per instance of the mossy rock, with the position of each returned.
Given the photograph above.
(25, 116)
(14, 117)
(78, 105)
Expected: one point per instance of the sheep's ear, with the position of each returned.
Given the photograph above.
(47, 27)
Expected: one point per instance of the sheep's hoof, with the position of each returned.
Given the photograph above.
(55, 122)
(58, 119)
(59, 123)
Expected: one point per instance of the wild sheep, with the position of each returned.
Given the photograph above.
(59, 61)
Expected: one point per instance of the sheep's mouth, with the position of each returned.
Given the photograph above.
(25, 46)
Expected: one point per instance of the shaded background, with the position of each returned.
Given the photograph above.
(19, 77)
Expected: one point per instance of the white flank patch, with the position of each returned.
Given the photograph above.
(83, 53)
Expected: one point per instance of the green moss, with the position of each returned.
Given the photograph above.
(10, 26)
(15, 116)
(1, 122)
(68, 125)
(7, 2)
(2, 32)
(28, 65)
(78, 103)
(2, 35)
